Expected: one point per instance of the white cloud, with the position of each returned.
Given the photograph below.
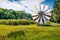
(31, 5)
(3, 0)
(10, 5)
(16, 6)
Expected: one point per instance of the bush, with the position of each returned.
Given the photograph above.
(17, 22)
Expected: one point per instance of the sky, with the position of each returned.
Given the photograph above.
(49, 3)
(26, 5)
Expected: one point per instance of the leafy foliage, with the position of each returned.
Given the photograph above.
(11, 14)
(56, 12)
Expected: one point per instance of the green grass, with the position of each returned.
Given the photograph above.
(30, 32)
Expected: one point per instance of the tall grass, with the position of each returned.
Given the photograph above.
(29, 32)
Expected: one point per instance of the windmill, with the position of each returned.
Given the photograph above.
(42, 16)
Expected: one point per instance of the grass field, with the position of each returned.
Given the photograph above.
(30, 32)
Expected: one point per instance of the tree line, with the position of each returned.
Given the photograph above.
(11, 14)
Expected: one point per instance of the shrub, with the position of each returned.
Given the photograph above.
(17, 22)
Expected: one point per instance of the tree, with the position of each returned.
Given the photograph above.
(56, 11)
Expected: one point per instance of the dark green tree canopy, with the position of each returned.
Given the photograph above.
(11, 14)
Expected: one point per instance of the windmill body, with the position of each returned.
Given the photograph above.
(42, 16)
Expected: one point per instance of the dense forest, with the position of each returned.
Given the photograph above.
(11, 14)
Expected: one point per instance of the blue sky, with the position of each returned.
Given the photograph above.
(49, 3)
(25, 5)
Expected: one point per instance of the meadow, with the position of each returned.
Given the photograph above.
(12, 27)
(30, 32)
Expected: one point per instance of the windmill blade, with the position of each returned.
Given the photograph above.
(36, 8)
(40, 7)
(47, 15)
(39, 19)
(47, 10)
(34, 15)
(42, 19)
(43, 7)
(36, 18)
(46, 18)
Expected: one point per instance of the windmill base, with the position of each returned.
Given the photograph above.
(43, 25)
